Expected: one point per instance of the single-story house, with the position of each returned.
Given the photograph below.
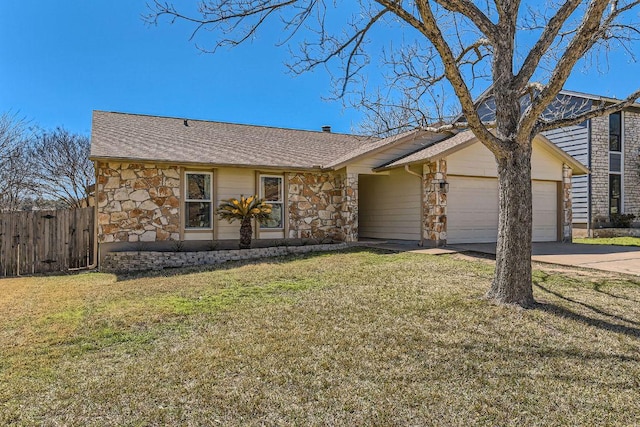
(160, 179)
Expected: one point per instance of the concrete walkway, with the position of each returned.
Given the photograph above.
(618, 259)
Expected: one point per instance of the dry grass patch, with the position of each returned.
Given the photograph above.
(355, 338)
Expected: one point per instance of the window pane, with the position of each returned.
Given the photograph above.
(198, 186)
(272, 188)
(198, 215)
(275, 219)
(615, 191)
(614, 143)
(615, 162)
(615, 132)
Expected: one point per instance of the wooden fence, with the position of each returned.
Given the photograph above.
(45, 241)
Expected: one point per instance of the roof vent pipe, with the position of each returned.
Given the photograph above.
(326, 128)
(186, 122)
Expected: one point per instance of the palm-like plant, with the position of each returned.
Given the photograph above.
(244, 210)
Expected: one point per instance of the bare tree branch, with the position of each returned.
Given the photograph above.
(603, 109)
(586, 36)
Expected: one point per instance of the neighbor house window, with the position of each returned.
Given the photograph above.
(615, 132)
(615, 194)
(615, 163)
(271, 189)
(198, 200)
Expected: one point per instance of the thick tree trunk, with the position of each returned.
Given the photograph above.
(512, 280)
(245, 233)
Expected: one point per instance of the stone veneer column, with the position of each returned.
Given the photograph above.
(349, 209)
(434, 203)
(599, 169)
(138, 202)
(632, 163)
(567, 212)
(315, 206)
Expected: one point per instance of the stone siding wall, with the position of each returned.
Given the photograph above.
(322, 205)
(632, 163)
(567, 211)
(599, 168)
(349, 208)
(434, 203)
(138, 202)
(148, 260)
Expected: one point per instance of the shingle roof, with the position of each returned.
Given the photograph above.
(445, 147)
(140, 137)
(372, 146)
(434, 150)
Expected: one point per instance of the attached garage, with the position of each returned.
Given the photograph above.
(461, 190)
(389, 206)
(472, 210)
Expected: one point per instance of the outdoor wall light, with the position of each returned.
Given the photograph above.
(444, 186)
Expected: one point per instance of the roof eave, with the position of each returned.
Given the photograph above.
(410, 134)
(317, 168)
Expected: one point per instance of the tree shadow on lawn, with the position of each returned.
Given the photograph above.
(564, 312)
(230, 265)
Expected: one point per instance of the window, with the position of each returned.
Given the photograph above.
(271, 191)
(198, 203)
(615, 132)
(616, 162)
(615, 193)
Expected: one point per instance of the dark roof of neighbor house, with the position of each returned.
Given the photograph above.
(465, 138)
(121, 136)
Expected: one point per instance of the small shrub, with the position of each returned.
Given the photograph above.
(622, 220)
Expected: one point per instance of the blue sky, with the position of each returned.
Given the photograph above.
(59, 60)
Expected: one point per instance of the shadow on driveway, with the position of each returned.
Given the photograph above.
(618, 259)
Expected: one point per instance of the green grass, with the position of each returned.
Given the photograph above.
(622, 241)
(354, 338)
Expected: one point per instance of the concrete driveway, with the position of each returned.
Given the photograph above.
(618, 259)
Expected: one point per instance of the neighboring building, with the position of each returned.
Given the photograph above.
(160, 180)
(610, 147)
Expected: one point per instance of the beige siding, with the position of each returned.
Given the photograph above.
(269, 234)
(474, 160)
(544, 165)
(389, 206)
(477, 160)
(364, 165)
(232, 182)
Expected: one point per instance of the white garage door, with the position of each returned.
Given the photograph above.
(472, 210)
(545, 211)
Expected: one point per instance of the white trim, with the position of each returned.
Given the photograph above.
(188, 200)
(280, 202)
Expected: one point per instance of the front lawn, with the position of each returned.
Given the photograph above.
(621, 241)
(352, 338)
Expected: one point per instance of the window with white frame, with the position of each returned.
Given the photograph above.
(198, 201)
(271, 189)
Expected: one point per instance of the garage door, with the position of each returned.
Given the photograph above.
(545, 211)
(472, 210)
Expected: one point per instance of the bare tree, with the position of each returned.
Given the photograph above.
(522, 49)
(61, 167)
(14, 170)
